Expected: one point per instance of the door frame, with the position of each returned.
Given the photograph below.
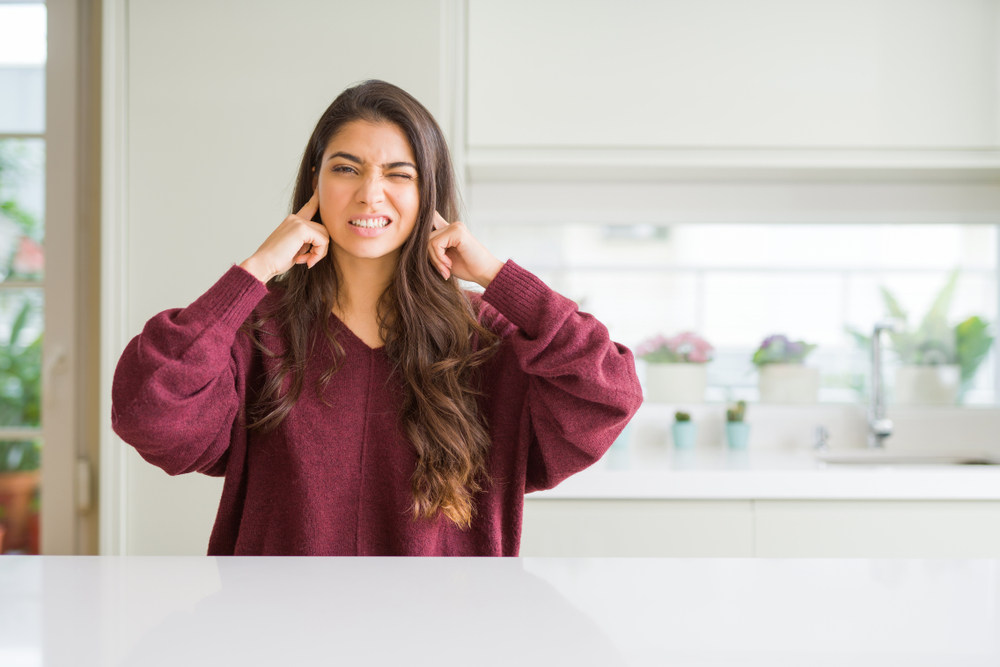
(69, 523)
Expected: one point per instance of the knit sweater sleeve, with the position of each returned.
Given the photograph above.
(582, 386)
(176, 392)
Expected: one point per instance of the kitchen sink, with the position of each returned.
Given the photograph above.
(888, 457)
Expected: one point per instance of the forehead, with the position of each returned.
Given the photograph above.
(377, 143)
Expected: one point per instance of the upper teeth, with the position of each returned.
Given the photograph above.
(371, 222)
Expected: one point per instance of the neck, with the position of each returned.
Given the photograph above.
(361, 282)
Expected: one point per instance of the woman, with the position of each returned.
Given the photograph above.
(357, 401)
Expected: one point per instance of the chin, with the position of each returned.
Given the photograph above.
(369, 253)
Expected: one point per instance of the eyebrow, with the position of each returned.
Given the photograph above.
(357, 160)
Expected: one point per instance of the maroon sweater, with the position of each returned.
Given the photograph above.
(334, 477)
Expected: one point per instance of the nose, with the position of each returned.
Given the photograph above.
(371, 191)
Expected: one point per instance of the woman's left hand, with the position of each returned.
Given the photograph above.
(455, 251)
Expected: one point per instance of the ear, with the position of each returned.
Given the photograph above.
(315, 178)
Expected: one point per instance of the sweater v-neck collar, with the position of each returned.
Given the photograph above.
(351, 336)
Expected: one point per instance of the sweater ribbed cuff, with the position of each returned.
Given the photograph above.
(231, 299)
(519, 295)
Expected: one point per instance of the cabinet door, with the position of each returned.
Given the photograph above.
(877, 529)
(732, 74)
(714, 528)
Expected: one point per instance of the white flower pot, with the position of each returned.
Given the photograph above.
(676, 383)
(927, 385)
(788, 383)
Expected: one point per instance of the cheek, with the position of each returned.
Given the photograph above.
(410, 202)
(409, 208)
(329, 196)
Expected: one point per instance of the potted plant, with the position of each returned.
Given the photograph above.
(782, 376)
(737, 430)
(19, 476)
(684, 430)
(937, 360)
(676, 367)
(20, 404)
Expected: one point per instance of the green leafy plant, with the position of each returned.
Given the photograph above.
(20, 354)
(20, 393)
(682, 416)
(736, 412)
(935, 342)
(20, 456)
(972, 343)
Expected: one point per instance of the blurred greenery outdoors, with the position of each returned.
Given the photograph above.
(21, 343)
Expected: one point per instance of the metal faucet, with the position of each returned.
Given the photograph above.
(879, 426)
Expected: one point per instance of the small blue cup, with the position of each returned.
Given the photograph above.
(684, 434)
(737, 434)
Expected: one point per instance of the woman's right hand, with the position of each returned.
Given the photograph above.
(297, 240)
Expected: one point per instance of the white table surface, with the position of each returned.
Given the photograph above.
(188, 611)
(720, 474)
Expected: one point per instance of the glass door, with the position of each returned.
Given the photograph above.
(22, 270)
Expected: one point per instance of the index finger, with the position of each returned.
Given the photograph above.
(309, 209)
(439, 221)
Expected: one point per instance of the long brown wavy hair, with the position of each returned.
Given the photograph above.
(432, 334)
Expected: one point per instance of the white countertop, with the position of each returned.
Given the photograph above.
(718, 473)
(190, 611)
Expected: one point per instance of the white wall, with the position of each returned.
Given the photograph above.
(212, 103)
(209, 105)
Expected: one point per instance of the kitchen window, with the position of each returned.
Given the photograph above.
(645, 271)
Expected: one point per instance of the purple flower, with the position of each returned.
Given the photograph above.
(777, 348)
(775, 339)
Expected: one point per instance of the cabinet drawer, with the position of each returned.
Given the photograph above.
(877, 529)
(713, 528)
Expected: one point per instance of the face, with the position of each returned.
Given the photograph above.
(368, 196)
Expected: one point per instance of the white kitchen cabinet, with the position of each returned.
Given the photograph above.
(710, 528)
(636, 89)
(763, 528)
(877, 529)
